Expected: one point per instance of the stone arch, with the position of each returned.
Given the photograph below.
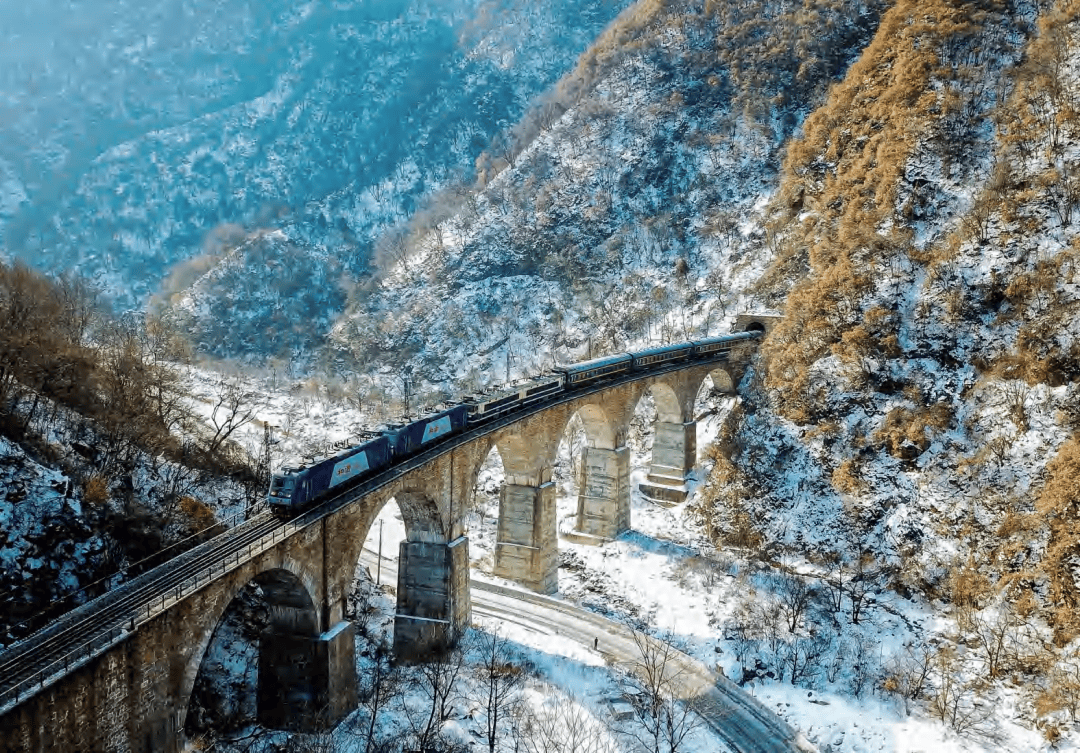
(419, 512)
(721, 379)
(287, 582)
(669, 408)
(518, 455)
(754, 327)
(423, 519)
(598, 429)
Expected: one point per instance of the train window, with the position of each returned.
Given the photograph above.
(282, 486)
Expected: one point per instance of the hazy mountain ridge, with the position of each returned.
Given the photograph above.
(326, 120)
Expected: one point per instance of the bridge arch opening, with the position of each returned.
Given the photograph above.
(227, 684)
(591, 473)
(718, 381)
(406, 515)
(666, 406)
(369, 601)
(595, 425)
(485, 496)
(568, 470)
(715, 399)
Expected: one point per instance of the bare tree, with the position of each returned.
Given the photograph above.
(996, 632)
(654, 682)
(379, 685)
(437, 680)
(802, 656)
(502, 681)
(796, 594)
(907, 675)
(956, 702)
(234, 406)
(561, 725)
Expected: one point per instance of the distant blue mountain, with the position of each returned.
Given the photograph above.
(130, 129)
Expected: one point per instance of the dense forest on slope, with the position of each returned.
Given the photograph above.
(139, 137)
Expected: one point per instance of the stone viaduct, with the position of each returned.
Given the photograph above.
(133, 694)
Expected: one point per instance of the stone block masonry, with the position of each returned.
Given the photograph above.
(307, 682)
(526, 549)
(432, 597)
(604, 492)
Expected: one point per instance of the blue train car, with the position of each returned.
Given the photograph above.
(713, 346)
(653, 356)
(407, 439)
(597, 368)
(295, 489)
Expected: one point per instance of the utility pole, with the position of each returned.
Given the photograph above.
(406, 385)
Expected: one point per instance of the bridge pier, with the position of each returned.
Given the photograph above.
(674, 455)
(307, 683)
(604, 492)
(526, 548)
(432, 597)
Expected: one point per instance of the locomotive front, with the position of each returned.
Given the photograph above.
(282, 487)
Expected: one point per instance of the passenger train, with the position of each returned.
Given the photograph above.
(295, 489)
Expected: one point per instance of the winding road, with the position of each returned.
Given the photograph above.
(732, 713)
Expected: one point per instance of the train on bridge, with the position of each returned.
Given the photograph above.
(296, 489)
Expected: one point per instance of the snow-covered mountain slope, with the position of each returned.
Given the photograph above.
(912, 421)
(132, 129)
(621, 210)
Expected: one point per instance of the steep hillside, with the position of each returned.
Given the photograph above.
(131, 130)
(105, 469)
(911, 425)
(620, 209)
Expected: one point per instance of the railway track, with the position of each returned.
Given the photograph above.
(79, 634)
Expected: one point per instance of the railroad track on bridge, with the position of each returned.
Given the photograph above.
(86, 630)
(75, 638)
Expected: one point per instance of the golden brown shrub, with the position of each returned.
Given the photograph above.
(1058, 505)
(198, 514)
(96, 491)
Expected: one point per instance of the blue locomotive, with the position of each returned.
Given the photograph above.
(295, 489)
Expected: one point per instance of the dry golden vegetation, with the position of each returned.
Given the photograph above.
(843, 214)
(927, 360)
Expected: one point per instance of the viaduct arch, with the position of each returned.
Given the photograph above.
(129, 689)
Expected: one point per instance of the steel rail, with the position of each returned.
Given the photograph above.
(36, 665)
(37, 661)
(107, 601)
